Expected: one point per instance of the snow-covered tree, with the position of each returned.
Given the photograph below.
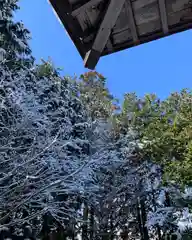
(14, 47)
(71, 164)
(44, 147)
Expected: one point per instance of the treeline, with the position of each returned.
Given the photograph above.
(77, 164)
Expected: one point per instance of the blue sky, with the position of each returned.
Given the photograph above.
(159, 67)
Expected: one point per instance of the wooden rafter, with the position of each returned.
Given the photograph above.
(62, 9)
(109, 20)
(93, 40)
(109, 44)
(62, 6)
(132, 23)
(163, 16)
(85, 6)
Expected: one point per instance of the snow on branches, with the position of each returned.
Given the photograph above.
(43, 147)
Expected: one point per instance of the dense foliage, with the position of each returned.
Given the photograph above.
(165, 130)
(74, 164)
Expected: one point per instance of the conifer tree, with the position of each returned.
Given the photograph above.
(96, 97)
(14, 46)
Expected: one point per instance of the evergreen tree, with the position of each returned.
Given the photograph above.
(44, 146)
(70, 163)
(96, 96)
(14, 47)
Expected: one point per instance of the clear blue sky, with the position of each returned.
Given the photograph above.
(160, 67)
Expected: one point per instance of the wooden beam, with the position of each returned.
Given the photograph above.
(62, 9)
(85, 6)
(132, 23)
(109, 20)
(109, 45)
(163, 16)
(64, 6)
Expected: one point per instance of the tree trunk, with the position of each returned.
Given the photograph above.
(91, 226)
(168, 204)
(105, 234)
(124, 234)
(85, 220)
(159, 232)
(111, 227)
(45, 229)
(144, 219)
(155, 208)
(139, 219)
(73, 232)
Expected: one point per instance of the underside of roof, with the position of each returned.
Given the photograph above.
(102, 27)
